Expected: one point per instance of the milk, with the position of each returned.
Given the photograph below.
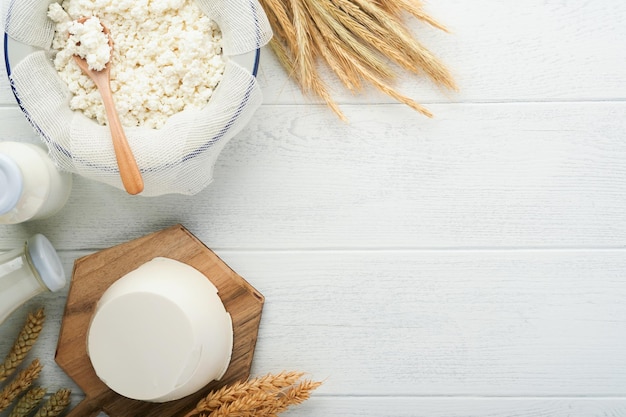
(31, 187)
(27, 271)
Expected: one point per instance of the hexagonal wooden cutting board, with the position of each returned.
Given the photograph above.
(91, 277)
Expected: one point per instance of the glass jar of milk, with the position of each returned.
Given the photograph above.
(31, 187)
(26, 271)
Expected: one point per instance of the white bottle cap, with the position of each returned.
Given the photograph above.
(46, 261)
(11, 184)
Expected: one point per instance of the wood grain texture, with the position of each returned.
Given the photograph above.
(428, 323)
(459, 407)
(503, 323)
(515, 175)
(470, 265)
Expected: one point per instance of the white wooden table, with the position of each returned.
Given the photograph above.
(469, 265)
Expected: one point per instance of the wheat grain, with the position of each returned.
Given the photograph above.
(28, 402)
(20, 383)
(23, 344)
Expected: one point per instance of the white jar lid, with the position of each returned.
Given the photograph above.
(46, 261)
(160, 333)
(11, 184)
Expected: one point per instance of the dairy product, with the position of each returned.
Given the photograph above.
(88, 40)
(31, 187)
(160, 332)
(26, 271)
(166, 57)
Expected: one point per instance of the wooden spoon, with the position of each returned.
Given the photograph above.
(129, 171)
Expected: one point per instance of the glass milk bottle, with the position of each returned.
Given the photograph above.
(29, 270)
(31, 187)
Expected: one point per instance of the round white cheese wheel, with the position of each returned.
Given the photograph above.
(160, 333)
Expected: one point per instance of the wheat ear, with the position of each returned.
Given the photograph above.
(55, 404)
(351, 65)
(23, 344)
(28, 402)
(265, 403)
(355, 39)
(376, 37)
(20, 383)
(246, 405)
(327, 16)
(230, 393)
(423, 58)
(293, 396)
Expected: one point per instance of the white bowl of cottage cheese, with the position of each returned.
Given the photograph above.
(183, 73)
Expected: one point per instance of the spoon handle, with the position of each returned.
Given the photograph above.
(129, 171)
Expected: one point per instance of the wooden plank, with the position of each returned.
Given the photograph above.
(531, 50)
(531, 323)
(15, 126)
(427, 323)
(481, 175)
(459, 407)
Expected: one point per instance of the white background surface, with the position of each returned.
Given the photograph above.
(469, 265)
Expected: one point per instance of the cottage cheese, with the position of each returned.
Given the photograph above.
(89, 41)
(166, 57)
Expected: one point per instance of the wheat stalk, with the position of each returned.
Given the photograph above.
(265, 403)
(353, 38)
(55, 404)
(303, 54)
(23, 344)
(262, 396)
(20, 383)
(28, 402)
(229, 393)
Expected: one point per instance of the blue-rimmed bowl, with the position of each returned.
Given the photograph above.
(15, 52)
